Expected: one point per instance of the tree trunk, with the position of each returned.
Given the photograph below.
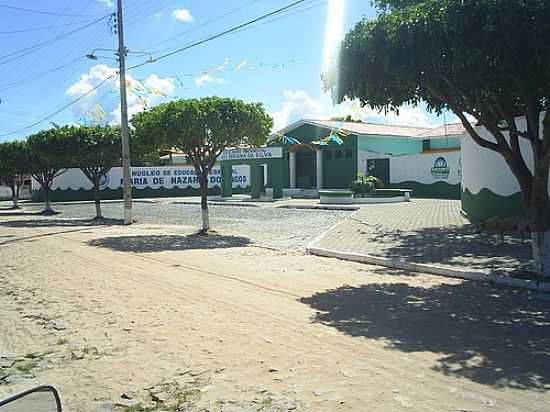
(538, 208)
(48, 209)
(97, 200)
(203, 182)
(539, 225)
(17, 193)
(541, 253)
(14, 197)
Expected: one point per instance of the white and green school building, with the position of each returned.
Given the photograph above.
(313, 155)
(439, 163)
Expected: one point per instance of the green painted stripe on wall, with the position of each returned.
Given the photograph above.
(487, 204)
(70, 195)
(436, 190)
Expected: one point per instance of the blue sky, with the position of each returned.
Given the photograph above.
(277, 63)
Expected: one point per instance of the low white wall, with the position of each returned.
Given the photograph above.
(484, 168)
(149, 177)
(375, 200)
(423, 168)
(5, 193)
(418, 168)
(340, 200)
(489, 187)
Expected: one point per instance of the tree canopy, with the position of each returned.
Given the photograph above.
(469, 50)
(98, 150)
(488, 59)
(13, 160)
(51, 153)
(14, 165)
(202, 129)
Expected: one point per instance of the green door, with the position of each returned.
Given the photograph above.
(379, 168)
(305, 169)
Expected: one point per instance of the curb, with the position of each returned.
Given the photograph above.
(323, 207)
(215, 203)
(330, 229)
(10, 214)
(499, 280)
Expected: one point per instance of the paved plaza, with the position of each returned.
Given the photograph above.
(427, 232)
(262, 223)
(423, 231)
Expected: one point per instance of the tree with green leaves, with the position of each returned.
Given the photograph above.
(14, 166)
(97, 150)
(487, 61)
(202, 129)
(51, 153)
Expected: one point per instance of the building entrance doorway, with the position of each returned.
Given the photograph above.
(379, 168)
(305, 169)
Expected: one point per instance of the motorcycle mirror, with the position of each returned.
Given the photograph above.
(39, 399)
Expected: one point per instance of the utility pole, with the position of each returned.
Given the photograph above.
(127, 184)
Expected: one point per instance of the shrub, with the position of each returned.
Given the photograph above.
(365, 184)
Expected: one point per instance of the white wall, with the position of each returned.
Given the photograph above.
(417, 167)
(420, 168)
(149, 177)
(5, 193)
(484, 168)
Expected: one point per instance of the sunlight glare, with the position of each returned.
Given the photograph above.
(334, 32)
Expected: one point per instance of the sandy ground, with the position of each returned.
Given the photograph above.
(106, 311)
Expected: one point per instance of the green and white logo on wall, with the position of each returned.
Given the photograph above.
(440, 169)
(104, 182)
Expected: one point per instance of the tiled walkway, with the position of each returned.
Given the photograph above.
(428, 232)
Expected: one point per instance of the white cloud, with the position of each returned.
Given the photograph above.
(158, 14)
(207, 78)
(407, 116)
(86, 84)
(145, 93)
(299, 105)
(183, 15)
(163, 84)
(159, 88)
(108, 3)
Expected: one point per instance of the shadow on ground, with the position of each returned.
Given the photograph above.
(60, 223)
(161, 243)
(456, 246)
(493, 336)
(18, 212)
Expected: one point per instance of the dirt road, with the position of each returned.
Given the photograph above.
(120, 316)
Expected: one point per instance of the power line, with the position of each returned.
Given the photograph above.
(32, 62)
(52, 40)
(96, 38)
(298, 11)
(136, 14)
(179, 50)
(30, 49)
(206, 23)
(93, 41)
(47, 13)
(65, 107)
(40, 28)
(17, 83)
(215, 36)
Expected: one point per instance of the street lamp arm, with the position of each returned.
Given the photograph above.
(94, 56)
